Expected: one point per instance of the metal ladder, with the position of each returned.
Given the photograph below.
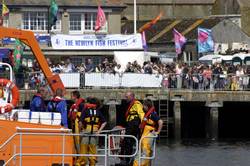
(163, 113)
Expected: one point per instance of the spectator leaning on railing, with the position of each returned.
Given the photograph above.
(175, 75)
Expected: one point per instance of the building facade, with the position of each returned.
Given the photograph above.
(186, 16)
(74, 18)
(78, 17)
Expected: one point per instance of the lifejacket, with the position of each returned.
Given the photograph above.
(147, 120)
(74, 109)
(91, 121)
(129, 113)
(54, 102)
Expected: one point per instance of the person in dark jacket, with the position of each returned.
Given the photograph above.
(91, 122)
(37, 103)
(58, 104)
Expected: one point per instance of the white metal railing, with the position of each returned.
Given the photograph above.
(10, 70)
(43, 129)
(65, 133)
(63, 155)
(8, 140)
(127, 155)
(153, 148)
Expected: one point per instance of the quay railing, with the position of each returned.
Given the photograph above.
(210, 82)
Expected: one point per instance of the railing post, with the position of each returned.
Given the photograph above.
(106, 150)
(20, 149)
(152, 148)
(139, 158)
(63, 149)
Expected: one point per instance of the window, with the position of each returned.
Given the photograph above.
(75, 22)
(80, 23)
(38, 21)
(89, 21)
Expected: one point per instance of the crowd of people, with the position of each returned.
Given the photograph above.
(198, 76)
(86, 120)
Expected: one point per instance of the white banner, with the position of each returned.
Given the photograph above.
(97, 42)
(70, 80)
(141, 80)
(102, 79)
(124, 80)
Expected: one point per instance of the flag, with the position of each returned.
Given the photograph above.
(53, 10)
(5, 9)
(144, 41)
(179, 40)
(17, 54)
(205, 40)
(148, 25)
(100, 19)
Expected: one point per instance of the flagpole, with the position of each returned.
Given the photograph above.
(48, 21)
(135, 13)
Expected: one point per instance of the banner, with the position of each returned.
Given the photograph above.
(97, 42)
(41, 38)
(70, 80)
(124, 80)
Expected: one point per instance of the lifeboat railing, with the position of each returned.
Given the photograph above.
(65, 133)
(153, 149)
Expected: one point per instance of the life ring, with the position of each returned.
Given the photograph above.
(15, 95)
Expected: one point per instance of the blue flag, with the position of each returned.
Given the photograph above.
(205, 40)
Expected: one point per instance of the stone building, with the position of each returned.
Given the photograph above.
(186, 16)
(172, 8)
(74, 18)
(78, 17)
(245, 13)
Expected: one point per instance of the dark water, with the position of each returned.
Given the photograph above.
(203, 153)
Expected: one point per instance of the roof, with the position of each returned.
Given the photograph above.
(183, 25)
(170, 2)
(244, 3)
(76, 3)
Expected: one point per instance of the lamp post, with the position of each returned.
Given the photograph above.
(135, 13)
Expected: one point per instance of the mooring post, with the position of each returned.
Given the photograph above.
(112, 113)
(212, 120)
(177, 120)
